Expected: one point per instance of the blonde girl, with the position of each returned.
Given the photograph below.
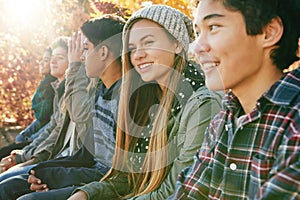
(163, 112)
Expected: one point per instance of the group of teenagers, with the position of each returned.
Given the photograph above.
(134, 117)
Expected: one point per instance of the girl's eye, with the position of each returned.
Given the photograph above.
(131, 50)
(149, 42)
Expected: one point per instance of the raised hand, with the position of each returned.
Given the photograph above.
(76, 48)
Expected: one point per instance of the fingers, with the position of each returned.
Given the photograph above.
(5, 158)
(13, 152)
(16, 151)
(7, 162)
(38, 187)
(76, 43)
(32, 179)
(70, 45)
(75, 47)
(36, 183)
(3, 168)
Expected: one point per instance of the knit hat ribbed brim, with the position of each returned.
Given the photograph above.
(175, 22)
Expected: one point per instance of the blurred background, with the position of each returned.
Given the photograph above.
(27, 27)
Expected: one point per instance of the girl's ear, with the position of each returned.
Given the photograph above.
(178, 47)
(272, 32)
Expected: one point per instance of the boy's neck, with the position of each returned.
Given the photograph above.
(111, 74)
(251, 91)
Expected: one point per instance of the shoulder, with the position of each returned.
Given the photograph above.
(291, 86)
(203, 101)
(286, 91)
(202, 94)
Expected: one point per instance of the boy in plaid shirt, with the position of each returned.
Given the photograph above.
(251, 149)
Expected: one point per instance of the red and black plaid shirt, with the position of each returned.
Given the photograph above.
(256, 158)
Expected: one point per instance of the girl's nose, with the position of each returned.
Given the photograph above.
(139, 53)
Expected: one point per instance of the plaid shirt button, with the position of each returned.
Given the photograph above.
(232, 166)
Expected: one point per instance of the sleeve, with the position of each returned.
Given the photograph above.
(31, 129)
(285, 183)
(195, 119)
(45, 148)
(107, 189)
(78, 100)
(79, 97)
(42, 146)
(28, 151)
(51, 143)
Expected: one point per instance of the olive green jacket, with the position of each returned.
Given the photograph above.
(185, 138)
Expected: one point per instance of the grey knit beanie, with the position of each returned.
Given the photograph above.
(175, 22)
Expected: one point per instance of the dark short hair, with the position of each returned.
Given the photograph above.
(107, 30)
(258, 13)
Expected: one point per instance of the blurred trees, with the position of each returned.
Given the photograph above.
(28, 27)
(18, 78)
(24, 34)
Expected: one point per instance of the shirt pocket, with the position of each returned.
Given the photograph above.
(259, 174)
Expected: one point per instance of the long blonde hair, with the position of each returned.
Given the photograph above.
(134, 106)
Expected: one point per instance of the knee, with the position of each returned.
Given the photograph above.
(6, 190)
(27, 197)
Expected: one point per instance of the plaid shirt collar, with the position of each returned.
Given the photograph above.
(284, 92)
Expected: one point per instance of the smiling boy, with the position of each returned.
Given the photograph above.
(252, 147)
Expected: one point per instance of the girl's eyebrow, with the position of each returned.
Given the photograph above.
(149, 35)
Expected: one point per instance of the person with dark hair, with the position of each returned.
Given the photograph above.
(92, 106)
(42, 105)
(251, 149)
(164, 110)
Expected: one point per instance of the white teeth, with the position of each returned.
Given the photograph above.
(207, 66)
(145, 65)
